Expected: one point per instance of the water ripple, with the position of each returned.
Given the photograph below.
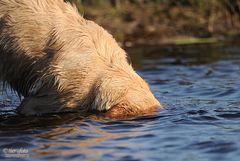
(199, 88)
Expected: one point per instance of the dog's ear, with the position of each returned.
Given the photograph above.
(108, 92)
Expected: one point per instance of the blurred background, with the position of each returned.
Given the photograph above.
(165, 21)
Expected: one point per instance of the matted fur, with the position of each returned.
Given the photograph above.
(61, 62)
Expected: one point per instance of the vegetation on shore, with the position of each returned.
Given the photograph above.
(165, 21)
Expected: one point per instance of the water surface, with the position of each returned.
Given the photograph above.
(199, 87)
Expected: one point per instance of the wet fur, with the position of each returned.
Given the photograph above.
(61, 62)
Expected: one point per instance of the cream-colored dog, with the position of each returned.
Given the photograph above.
(61, 62)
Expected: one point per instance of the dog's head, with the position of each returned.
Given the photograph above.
(123, 93)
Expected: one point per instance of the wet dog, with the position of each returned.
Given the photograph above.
(60, 62)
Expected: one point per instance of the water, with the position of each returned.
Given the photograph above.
(199, 87)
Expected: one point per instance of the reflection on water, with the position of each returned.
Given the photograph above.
(199, 87)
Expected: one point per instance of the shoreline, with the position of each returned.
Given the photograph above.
(133, 22)
(178, 41)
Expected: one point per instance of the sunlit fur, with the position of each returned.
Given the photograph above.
(60, 61)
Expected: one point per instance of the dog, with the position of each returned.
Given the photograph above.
(59, 62)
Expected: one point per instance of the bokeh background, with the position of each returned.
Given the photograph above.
(165, 21)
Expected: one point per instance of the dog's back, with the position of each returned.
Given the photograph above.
(18, 47)
(29, 22)
(28, 31)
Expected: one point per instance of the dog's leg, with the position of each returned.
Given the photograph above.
(38, 106)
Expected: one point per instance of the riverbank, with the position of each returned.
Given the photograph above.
(165, 22)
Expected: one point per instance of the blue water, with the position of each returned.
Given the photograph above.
(199, 87)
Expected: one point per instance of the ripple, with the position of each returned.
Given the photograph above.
(215, 147)
(230, 115)
(199, 88)
(16, 145)
(227, 92)
(121, 128)
(207, 118)
(197, 112)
